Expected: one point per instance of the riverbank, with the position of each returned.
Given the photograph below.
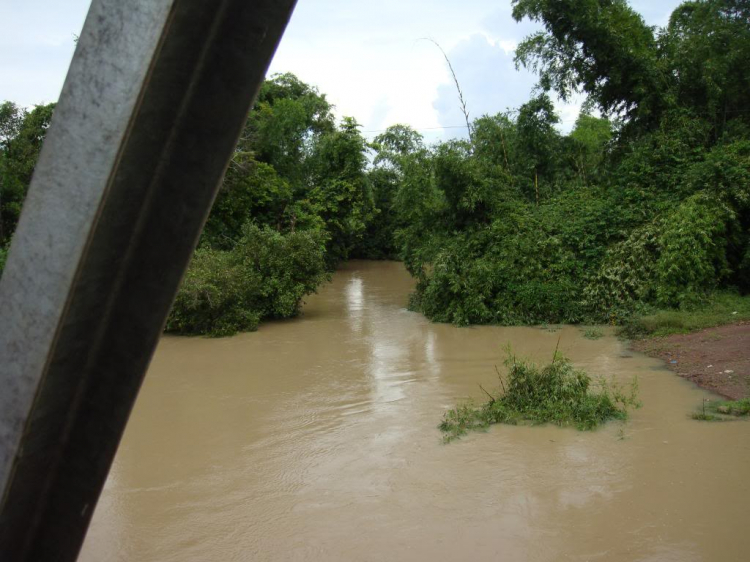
(716, 359)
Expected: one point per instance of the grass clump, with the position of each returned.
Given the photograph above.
(556, 393)
(722, 308)
(721, 410)
(704, 416)
(593, 334)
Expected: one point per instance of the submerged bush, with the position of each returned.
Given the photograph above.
(722, 410)
(593, 334)
(557, 394)
(265, 275)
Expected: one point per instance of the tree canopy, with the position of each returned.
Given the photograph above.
(645, 203)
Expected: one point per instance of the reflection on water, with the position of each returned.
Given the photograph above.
(355, 301)
(316, 439)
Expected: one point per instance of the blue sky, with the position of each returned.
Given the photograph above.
(367, 56)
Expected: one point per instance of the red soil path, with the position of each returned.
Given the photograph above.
(717, 359)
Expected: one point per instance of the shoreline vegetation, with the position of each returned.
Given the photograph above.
(720, 309)
(723, 410)
(531, 395)
(638, 217)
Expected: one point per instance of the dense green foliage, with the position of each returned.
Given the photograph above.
(265, 275)
(643, 206)
(556, 393)
(295, 201)
(21, 136)
(646, 206)
(294, 169)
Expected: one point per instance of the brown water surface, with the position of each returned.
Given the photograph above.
(316, 439)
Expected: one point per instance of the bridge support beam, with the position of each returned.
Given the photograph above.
(154, 102)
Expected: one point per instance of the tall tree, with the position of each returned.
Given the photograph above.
(341, 189)
(21, 136)
(708, 46)
(537, 144)
(600, 47)
(287, 120)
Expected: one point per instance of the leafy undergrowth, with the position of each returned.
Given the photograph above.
(722, 410)
(557, 394)
(593, 334)
(721, 308)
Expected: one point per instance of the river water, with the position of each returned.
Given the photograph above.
(316, 439)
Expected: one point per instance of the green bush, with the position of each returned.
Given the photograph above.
(557, 394)
(250, 189)
(725, 173)
(626, 276)
(217, 297)
(517, 270)
(265, 275)
(692, 259)
(593, 334)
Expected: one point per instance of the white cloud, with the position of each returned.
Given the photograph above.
(37, 42)
(488, 79)
(365, 55)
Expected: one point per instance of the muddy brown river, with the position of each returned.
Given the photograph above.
(317, 439)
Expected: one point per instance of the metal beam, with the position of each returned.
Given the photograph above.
(153, 104)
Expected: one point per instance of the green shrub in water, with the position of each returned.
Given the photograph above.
(720, 410)
(593, 334)
(557, 394)
(265, 275)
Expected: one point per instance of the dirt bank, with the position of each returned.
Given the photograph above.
(717, 359)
